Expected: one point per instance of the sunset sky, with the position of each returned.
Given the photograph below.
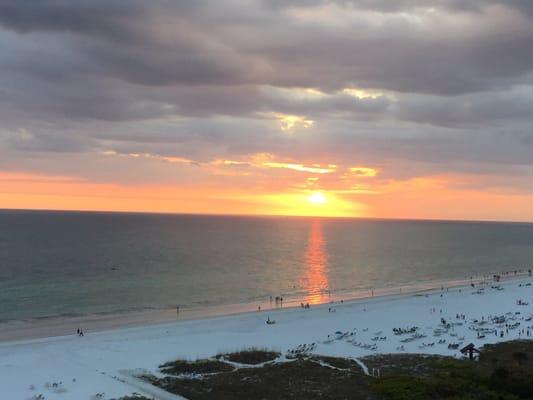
(402, 109)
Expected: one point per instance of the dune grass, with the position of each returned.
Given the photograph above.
(206, 366)
(504, 372)
(251, 356)
(300, 379)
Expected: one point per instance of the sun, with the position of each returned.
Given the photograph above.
(317, 198)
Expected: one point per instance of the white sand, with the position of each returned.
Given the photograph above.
(98, 362)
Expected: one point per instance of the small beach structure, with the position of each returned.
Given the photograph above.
(469, 349)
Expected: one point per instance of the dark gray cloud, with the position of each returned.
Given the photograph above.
(111, 19)
(481, 110)
(408, 5)
(191, 44)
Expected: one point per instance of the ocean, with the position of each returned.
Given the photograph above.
(56, 264)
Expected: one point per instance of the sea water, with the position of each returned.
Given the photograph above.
(77, 263)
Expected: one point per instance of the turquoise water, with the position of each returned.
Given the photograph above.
(62, 263)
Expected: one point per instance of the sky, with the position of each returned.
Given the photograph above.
(355, 108)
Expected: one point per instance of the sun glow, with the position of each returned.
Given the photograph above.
(289, 123)
(317, 198)
(304, 203)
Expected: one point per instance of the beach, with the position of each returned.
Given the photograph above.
(42, 327)
(106, 362)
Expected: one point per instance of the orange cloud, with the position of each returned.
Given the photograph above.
(169, 159)
(364, 171)
(267, 160)
(315, 168)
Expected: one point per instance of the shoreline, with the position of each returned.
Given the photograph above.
(15, 331)
(99, 361)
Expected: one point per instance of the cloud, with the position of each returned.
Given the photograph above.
(408, 5)
(407, 88)
(324, 45)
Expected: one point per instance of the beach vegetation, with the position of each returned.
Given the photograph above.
(204, 366)
(250, 356)
(295, 380)
(503, 371)
(498, 374)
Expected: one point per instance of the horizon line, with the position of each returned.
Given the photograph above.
(171, 213)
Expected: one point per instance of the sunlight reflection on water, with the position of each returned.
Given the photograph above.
(316, 280)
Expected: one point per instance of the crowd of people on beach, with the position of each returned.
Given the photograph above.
(500, 326)
(403, 331)
(511, 325)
